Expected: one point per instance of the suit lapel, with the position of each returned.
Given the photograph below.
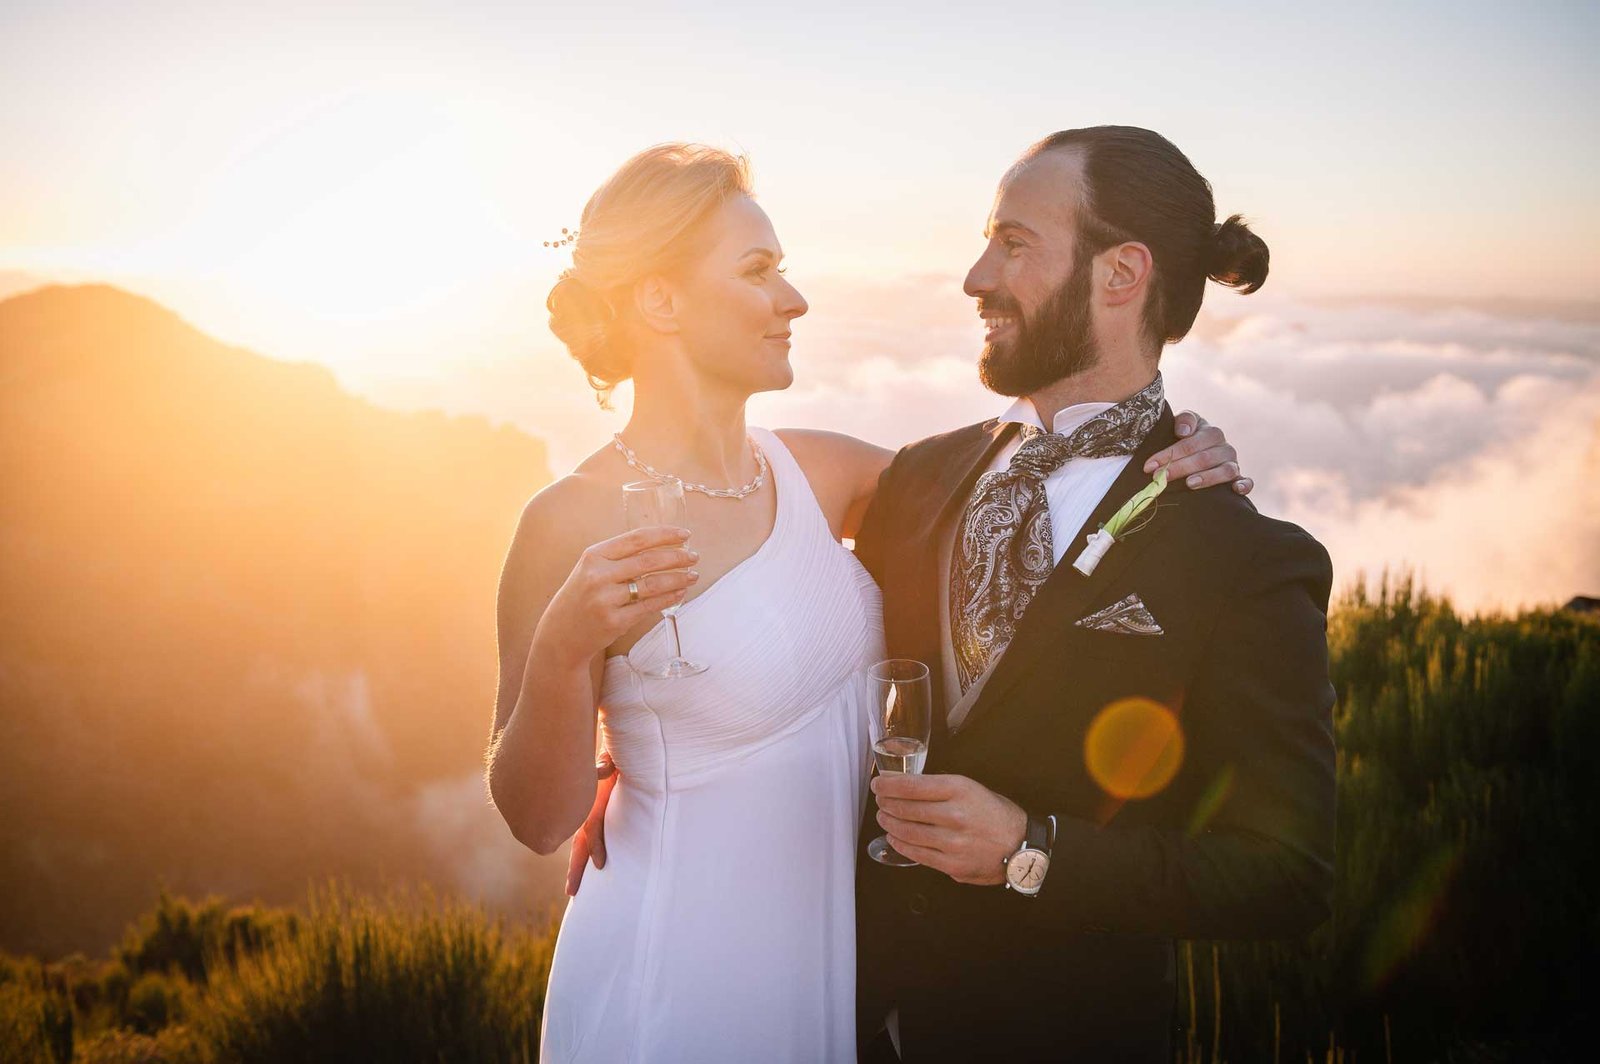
(957, 469)
(1066, 594)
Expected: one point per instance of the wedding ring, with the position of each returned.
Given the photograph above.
(633, 592)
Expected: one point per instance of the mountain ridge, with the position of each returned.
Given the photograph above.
(249, 635)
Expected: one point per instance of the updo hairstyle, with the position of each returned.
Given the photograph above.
(645, 219)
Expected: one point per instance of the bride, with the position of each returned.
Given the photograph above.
(722, 925)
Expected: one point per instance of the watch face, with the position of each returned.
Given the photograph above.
(1025, 871)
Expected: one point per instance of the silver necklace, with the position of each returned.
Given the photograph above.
(719, 493)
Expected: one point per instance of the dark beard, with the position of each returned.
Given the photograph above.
(1057, 343)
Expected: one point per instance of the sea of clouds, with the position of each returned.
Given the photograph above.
(1461, 443)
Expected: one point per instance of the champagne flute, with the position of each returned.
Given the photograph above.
(902, 699)
(661, 502)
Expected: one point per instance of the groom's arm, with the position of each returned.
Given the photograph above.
(1263, 867)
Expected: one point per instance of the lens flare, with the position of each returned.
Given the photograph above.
(1410, 919)
(1212, 799)
(1134, 748)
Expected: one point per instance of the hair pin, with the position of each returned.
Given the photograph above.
(567, 237)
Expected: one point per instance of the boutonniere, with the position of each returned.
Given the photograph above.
(1134, 515)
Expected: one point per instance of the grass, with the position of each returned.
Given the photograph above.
(405, 977)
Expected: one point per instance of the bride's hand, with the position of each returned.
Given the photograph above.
(1201, 458)
(594, 607)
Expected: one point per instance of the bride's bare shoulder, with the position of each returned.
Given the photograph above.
(575, 510)
(834, 452)
(842, 470)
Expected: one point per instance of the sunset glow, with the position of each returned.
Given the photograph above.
(320, 587)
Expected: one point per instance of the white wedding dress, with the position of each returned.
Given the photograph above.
(722, 927)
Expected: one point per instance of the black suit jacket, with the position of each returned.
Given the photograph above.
(1238, 845)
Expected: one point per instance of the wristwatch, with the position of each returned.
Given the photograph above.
(1025, 869)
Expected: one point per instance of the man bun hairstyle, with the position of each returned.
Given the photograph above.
(647, 218)
(1139, 187)
(1238, 257)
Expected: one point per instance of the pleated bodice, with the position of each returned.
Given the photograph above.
(780, 631)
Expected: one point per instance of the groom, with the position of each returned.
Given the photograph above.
(1120, 758)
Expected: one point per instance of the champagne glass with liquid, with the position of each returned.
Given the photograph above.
(902, 698)
(661, 502)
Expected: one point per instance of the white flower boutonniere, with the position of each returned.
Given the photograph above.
(1134, 515)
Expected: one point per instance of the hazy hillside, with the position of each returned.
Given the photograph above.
(248, 623)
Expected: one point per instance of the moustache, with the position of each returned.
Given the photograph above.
(999, 305)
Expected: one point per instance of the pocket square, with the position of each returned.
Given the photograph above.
(1127, 617)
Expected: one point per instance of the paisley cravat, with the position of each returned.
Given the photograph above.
(1006, 549)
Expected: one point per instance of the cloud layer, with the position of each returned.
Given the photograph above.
(1461, 443)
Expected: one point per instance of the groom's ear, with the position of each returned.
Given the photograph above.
(1131, 266)
(656, 301)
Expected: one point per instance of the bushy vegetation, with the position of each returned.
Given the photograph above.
(349, 977)
(1469, 781)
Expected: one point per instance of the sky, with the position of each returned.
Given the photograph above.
(369, 186)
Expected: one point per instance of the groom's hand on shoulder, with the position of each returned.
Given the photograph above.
(952, 824)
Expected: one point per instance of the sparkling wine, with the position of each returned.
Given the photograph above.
(648, 503)
(902, 703)
(900, 754)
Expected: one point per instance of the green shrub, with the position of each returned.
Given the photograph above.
(80, 980)
(398, 979)
(155, 1001)
(193, 937)
(35, 1022)
(173, 1045)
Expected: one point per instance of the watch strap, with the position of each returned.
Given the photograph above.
(1038, 836)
